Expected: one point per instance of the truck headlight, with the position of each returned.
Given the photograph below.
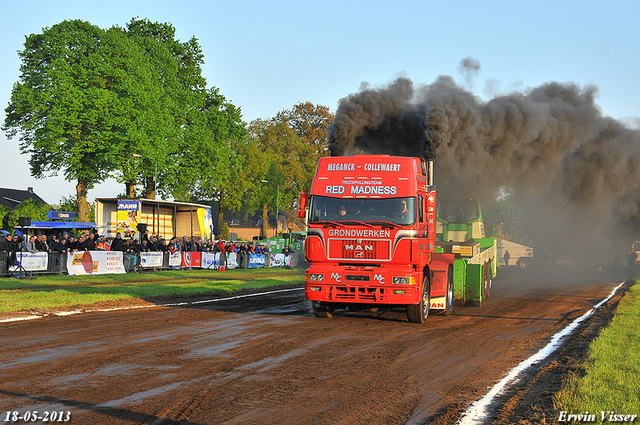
(403, 280)
(314, 277)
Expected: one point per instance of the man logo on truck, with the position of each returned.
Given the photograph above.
(358, 248)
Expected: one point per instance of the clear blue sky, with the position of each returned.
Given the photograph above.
(267, 56)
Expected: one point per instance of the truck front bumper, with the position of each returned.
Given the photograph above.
(399, 286)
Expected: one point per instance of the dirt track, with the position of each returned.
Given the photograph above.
(267, 360)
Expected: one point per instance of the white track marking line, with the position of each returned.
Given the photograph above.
(477, 412)
(213, 300)
(100, 310)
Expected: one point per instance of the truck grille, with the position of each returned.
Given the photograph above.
(359, 249)
(357, 293)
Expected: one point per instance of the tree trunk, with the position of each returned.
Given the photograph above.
(130, 188)
(220, 215)
(150, 191)
(83, 205)
(265, 221)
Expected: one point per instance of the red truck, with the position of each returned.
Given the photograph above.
(371, 237)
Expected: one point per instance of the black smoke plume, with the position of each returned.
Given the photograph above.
(574, 172)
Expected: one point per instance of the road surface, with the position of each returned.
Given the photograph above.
(267, 360)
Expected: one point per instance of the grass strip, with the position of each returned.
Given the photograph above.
(610, 385)
(49, 292)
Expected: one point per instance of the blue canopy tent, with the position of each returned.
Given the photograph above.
(39, 226)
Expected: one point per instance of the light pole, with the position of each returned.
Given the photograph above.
(155, 177)
(277, 203)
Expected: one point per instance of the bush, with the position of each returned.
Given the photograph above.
(37, 211)
(224, 231)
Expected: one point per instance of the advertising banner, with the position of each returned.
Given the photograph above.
(95, 262)
(206, 223)
(31, 261)
(210, 260)
(128, 217)
(151, 259)
(61, 215)
(232, 260)
(175, 259)
(257, 260)
(277, 260)
(191, 259)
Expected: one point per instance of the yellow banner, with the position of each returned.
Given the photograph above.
(205, 222)
(128, 217)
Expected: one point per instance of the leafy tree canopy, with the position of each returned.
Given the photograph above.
(4, 212)
(88, 99)
(28, 208)
(292, 142)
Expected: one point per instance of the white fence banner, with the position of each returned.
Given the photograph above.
(232, 260)
(95, 262)
(210, 260)
(175, 259)
(151, 259)
(277, 260)
(31, 261)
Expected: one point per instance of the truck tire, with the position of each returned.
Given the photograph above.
(418, 313)
(448, 310)
(321, 309)
(523, 263)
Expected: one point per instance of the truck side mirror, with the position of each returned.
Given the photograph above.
(303, 204)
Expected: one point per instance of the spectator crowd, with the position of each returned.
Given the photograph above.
(11, 245)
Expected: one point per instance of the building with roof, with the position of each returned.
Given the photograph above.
(164, 218)
(11, 198)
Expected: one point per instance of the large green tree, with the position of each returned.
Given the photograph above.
(170, 108)
(75, 102)
(207, 158)
(292, 143)
(129, 103)
(310, 123)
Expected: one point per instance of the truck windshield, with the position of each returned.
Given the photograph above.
(400, 211)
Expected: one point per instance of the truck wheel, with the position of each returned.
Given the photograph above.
(417, 313)
(522, 263)
(448, 310)
(321, 309)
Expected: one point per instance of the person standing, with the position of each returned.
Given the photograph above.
(90, 242)
(5, 253)
(32, 245)
(38, 244)
(631, 263)
(507, 256)
(288, 253)
(62, 246)
(116, 245)
(47, 245)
